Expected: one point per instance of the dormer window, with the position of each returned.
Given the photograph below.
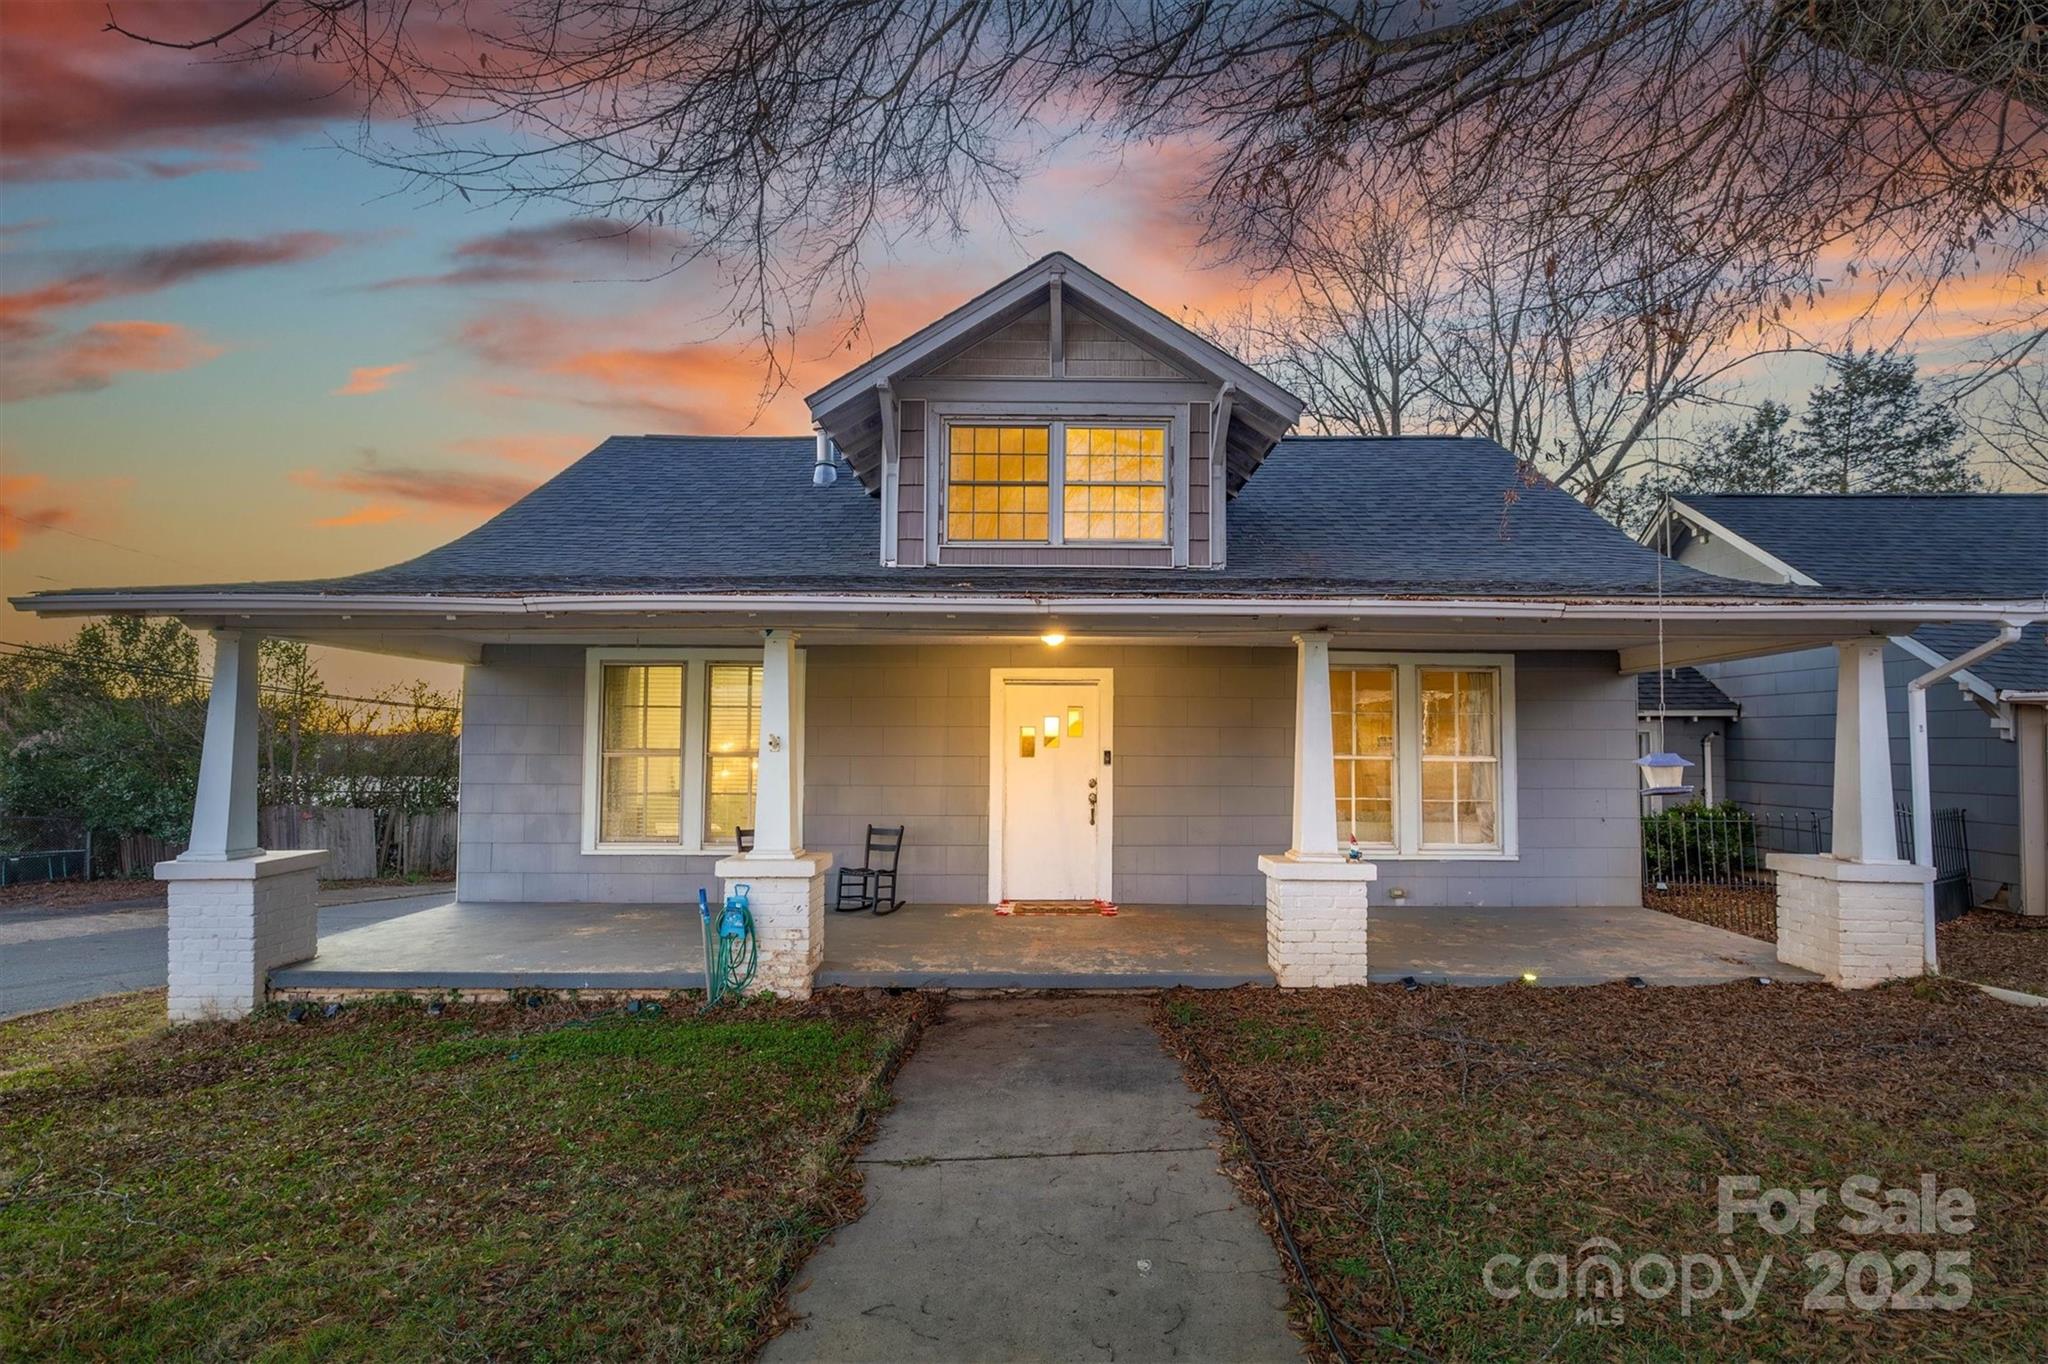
(1053, 421)
(1108, 486)
(998, 484)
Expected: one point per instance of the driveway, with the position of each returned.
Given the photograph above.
(52, 957)
(1044, 1187)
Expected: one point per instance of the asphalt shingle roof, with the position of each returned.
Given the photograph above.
(1333, 516)
(1954, 545)
(1685, 691)
(2020, 666)
(1957, 545)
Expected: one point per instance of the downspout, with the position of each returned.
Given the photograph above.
(1916, 748)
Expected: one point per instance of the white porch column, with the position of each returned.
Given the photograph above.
(785, 884)
(1865, 825)
(1315, 773)
(236, 911)
(1856, 915)
(1315, 898)
(224, 814)
(778, 830)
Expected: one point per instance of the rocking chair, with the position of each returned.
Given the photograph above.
(872, 885)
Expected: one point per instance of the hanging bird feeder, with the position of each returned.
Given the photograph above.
(1664, 774)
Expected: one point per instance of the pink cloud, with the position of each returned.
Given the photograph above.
(79, 102)
(89, 360)
(554, 251)
(365, 379)
(394, 492)
(123, 274)
(32, 505)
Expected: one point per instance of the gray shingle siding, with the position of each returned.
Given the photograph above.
(1203, 777)
(1781, 753)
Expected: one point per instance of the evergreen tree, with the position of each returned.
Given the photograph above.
(1871, 430)
(1757, 455)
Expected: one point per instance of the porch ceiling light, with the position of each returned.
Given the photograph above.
(1053, 637)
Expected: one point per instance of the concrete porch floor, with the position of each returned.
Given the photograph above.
(656, 947)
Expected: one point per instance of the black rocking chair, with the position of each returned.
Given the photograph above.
(872, 885)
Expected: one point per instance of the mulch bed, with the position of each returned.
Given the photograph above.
(1750, 908)
(81, 894)
(1413, 1136)
(1995, 947)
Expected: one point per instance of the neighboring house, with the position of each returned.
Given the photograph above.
(1985, 726)
(1679, 710)
(1052, 585)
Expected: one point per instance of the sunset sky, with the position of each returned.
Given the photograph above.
(231, 349)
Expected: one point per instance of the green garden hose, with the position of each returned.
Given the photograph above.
(730, 951)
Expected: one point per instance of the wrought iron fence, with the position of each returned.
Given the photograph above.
(1706, 862)
(1723, 844)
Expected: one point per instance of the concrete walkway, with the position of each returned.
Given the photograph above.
(1043, 1189)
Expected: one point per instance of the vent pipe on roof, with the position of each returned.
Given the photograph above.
(825, 472)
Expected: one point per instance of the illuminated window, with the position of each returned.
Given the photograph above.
(732, 748)
(1108, 484)
(1115, 484)
(998, 483)
(1362, 731)
(1423, 751)
(642, 756)
(1460, 757)
(673, 755)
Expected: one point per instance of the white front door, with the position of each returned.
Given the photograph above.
(1054, 800)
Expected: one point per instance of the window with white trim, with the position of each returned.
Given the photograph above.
(1056, 483)
(672, 751)
(1423, 754)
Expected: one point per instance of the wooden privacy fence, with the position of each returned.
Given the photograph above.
(350, 836)
(360, 843)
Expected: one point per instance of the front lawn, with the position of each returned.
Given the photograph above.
(1415, 1136)
(553, 1183)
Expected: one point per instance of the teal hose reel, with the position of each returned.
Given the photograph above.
(730, 952)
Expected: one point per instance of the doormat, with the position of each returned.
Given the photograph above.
(1013, 907)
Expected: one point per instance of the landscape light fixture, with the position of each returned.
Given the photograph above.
(1528, 977)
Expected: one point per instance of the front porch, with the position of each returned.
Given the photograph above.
(653, 948)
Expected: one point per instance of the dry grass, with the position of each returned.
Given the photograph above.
(1416, 1135)
(496, 1183)
(35, 1047)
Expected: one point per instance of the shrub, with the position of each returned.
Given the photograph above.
(1699, 842)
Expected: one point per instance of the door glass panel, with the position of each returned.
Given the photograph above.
(1027, 741)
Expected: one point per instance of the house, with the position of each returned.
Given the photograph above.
(1056, 584)
(1680, 710)
(1984, 720)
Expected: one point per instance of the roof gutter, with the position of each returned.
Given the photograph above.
(2010, 614)
(1923, 797)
